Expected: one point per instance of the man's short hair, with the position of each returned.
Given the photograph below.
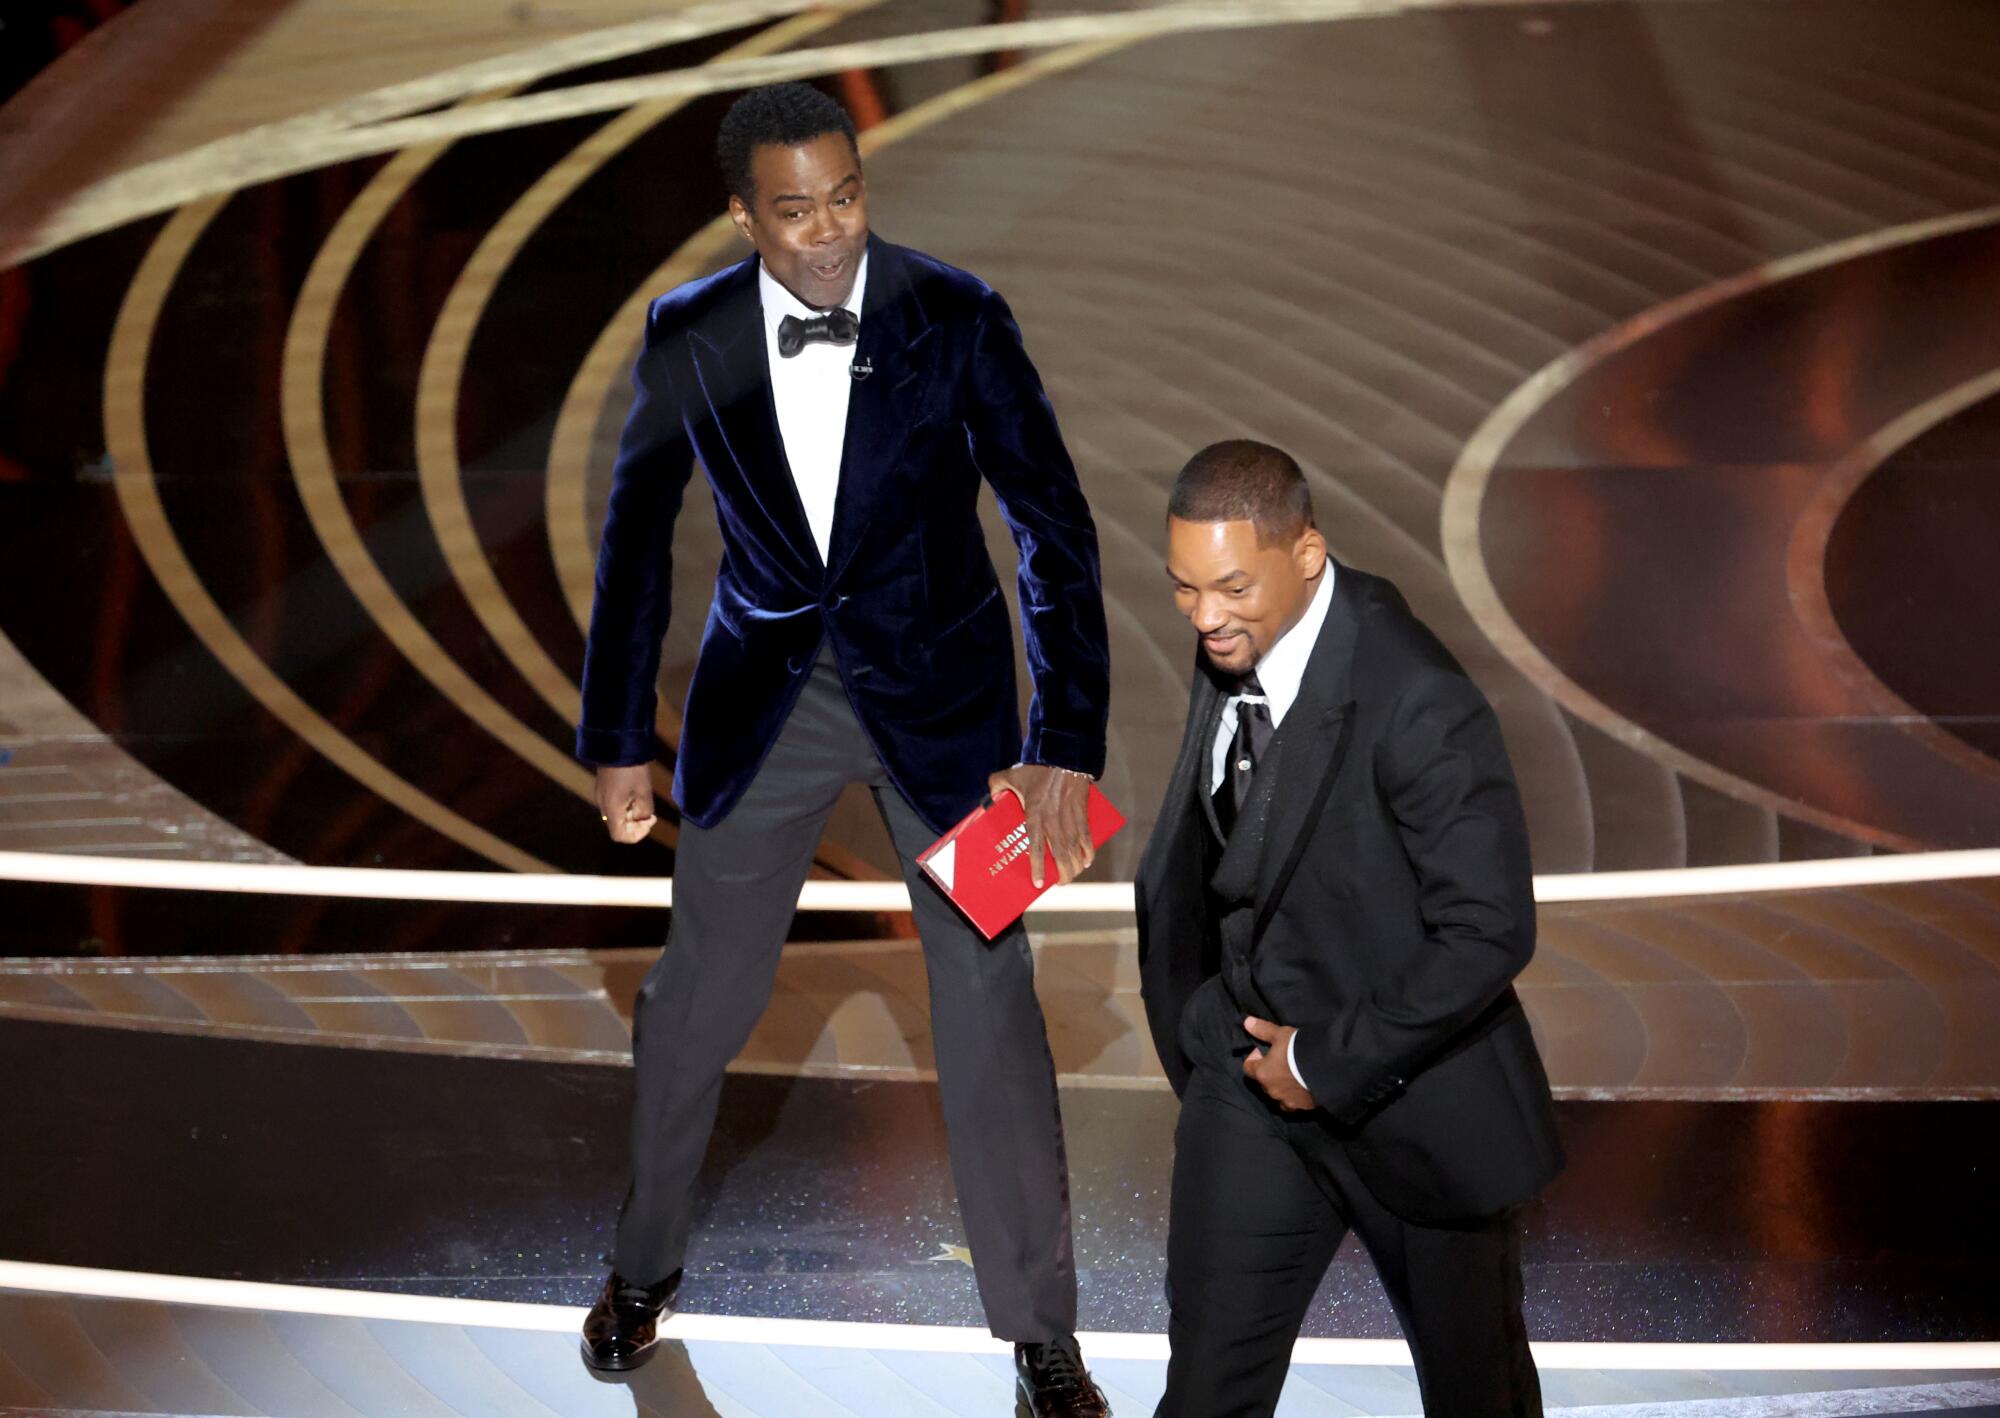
(784, 115)
(1241, 480)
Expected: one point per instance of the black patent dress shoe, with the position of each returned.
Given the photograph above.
(1053, 1383)
(622, 1327)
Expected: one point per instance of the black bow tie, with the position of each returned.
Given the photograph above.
(839, 326)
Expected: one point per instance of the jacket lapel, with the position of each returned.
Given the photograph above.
(1188, 790)
(898, 350)
(1204, 795)
(733, 365)
(1302, 756)
(1323, 717)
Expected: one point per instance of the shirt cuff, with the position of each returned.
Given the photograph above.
(1058, 749)
(1292, 1061)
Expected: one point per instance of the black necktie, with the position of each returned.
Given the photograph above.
(839, 326)
(1253, 736)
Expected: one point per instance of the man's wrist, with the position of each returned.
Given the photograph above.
(1057, 767)
(1073, 773)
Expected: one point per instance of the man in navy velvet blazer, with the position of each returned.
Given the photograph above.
(846, 399)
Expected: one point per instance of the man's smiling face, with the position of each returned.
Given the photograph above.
(1241, 593)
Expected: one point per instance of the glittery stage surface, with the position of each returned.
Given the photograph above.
(832, 1199)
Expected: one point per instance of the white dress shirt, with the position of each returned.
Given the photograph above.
(1280, 672)
(810, 391)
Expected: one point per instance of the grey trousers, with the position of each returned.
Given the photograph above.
(735, 887)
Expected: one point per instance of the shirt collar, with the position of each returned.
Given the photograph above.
(1283, 668)
(779, 302)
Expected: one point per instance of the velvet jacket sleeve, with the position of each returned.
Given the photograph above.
(1443, 772)
(628, 620)
(1019, 450)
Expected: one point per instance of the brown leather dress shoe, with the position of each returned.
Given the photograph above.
(624, 1324)
(1053, 1382)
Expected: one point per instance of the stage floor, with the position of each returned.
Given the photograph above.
(248, 1352)
(181, 1194)
(831, 1198)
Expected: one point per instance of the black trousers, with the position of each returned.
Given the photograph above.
(736, 885)
(1261, 1201)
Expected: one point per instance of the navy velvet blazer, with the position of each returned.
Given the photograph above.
(909, 602)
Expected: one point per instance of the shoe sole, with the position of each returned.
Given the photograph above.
(614, 1366)
(1024, 1403)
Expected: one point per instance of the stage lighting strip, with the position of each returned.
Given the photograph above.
(1936, 1357)
(386, 884)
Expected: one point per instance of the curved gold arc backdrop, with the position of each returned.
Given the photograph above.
(1805, 569)
(138, 495)
(300, 145)
(1465, 491)
(302, 392)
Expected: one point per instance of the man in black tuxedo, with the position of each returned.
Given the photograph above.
(846, 399)
(1331, 910)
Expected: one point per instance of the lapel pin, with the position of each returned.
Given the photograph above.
(861, 369)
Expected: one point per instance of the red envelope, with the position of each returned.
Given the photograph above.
(982, 864)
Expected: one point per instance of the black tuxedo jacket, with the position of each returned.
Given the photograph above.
(1375, 894)
(907, 596)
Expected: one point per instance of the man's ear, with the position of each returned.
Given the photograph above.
(740, 214)
(1310, 553)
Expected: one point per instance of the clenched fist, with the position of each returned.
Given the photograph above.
(625, 802)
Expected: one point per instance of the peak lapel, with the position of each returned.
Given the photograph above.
(1323, 714)
(894, 358)
(1187, 789)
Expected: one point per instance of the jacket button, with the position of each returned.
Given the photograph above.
(831, 601)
